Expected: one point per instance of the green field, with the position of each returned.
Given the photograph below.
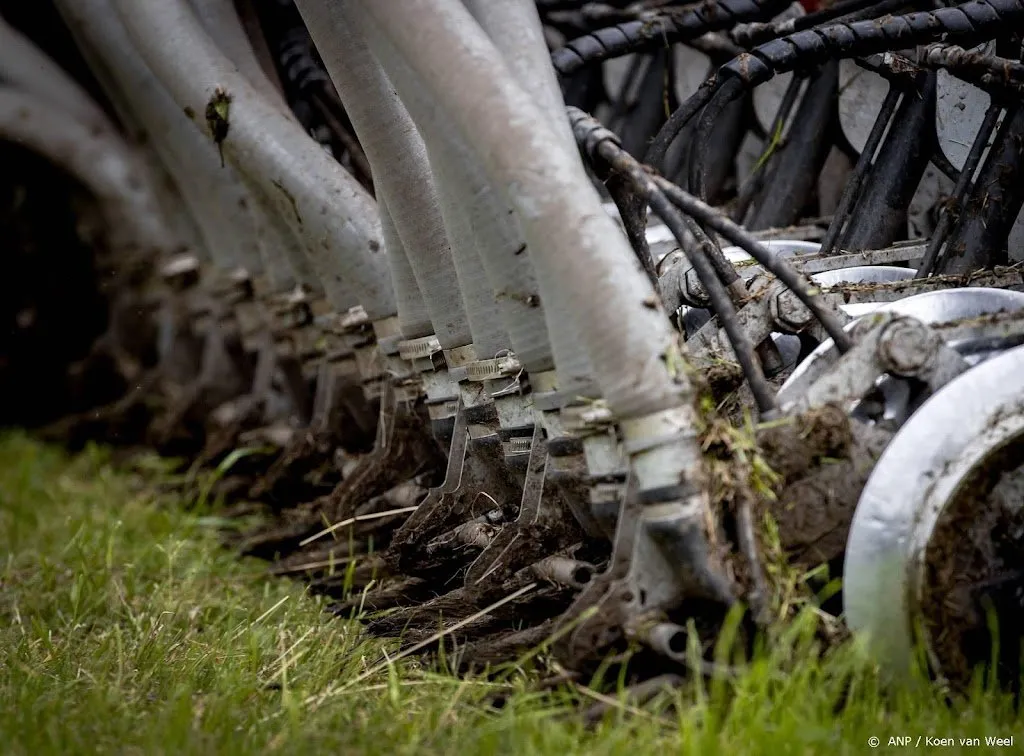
(126, 629)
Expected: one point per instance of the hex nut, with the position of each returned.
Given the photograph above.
(789, 312)
(906, 347)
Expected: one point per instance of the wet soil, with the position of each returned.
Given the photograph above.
(972, 576)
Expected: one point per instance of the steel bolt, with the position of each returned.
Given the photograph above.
(906, 347)
(789, 312)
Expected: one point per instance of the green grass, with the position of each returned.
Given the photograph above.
(125, 628)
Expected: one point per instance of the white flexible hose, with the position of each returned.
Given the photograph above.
(515, 28)
(413, 315)
(499, 239)
(402, 176)
(281, 240)
(338, 219)
(581, 256)
(221, 21)
(100, 160)
(215, 196)
(26, 67)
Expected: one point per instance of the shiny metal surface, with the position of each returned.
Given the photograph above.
(863, 274)
(956, 304)
(694, 318)
(932, 307)
(781, 247)
(917, 476)
(790, 345)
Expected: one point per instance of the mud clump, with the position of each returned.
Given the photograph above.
(723, 379)
(978, 536)
(806, 472)
(794, 447)
(823, 459)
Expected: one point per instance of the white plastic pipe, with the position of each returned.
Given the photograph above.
(515, 28)
(581, 256)
(281, 239)
(413, 315)
(26, 67)
(338, 219)
(171, 199)
(499, 239)
(402, 174)
(222, 23)
(100, 160)
(489, 335)
(283, 254)
(215, 197)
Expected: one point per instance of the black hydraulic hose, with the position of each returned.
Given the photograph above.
(968, 22)
(297, 62)
(713, 219)
(972, 21)
(645, 117)
(715, 45)
(778, 266)
(677, 121)
(308, 88)
(292, 49)
(706, 126)
(585, 89)
(659, 30)
(720, 159)
(600, 143)
(721, 303)
(658, 149)
(851, 192)
(620, 100)
(943, 166)
(751, 34)
(963, 185)
(631, 209)
(981, 67)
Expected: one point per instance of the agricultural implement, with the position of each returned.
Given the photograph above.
(588, 323)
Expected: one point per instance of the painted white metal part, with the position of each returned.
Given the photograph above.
(931, 307)
(779, 247)
(916, 478)
(860, 274)
(861, 93)
(959, 110)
